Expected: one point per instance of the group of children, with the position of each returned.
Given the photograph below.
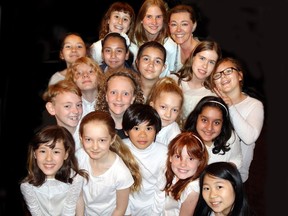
(145, 126)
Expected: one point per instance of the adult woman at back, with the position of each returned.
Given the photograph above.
(182, 22)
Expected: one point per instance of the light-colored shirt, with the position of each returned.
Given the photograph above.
(53, 197)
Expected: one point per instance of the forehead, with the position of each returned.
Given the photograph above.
(212, 112)
(153, 51)
(222, 66)
(73, 38)
(120, 81)
(208, 54)
(68, 97)
(154, 9)
(114, 40)
(180, 16)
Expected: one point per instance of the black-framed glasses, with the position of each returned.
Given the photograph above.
(227, 71)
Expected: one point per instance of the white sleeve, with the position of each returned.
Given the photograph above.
(73, 196)
(235, 151)
(248, 128)
(30, 199)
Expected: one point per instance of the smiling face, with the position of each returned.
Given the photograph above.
(119, 95)
(151, 63)
(184, 166)
(114, 52)
(218, 194)
(209, 124)
(85, 77)
(203, 64)
(168, 106)
(142, 135)
(67, 109)
(96, 140)
(73, 48)
(50, 160)
(119, 22)
(181, 27)
(153, 22)
(228, 83)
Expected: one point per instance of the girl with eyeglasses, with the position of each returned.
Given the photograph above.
(246, 112)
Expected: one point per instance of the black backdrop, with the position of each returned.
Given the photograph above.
(252, 30)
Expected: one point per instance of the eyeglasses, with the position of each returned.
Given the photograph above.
(227, 71)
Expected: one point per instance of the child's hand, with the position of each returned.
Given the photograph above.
(225, 98)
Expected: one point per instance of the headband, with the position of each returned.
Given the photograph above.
(202, 144)
(213, 101)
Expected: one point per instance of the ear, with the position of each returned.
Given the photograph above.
(170, 159)
(61, 55)
(34, 154)
(133, 99)
(126, 133)
(151, 104)
(240, 76)
(66, 155)
(194, 27)
(113, 140)
(164, 67)
(50, 108)
(127, 55)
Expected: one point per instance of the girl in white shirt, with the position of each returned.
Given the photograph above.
(211, 120)
(54, 181)
(113, 171)
(167, 98)
(246, 111)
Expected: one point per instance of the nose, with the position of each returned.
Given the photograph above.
(209, 126)
(120, 21)
(48, 156)
(178, 28)
(167, 113)
(142, 133)
(118, 97)
(213, 193)
(183, 162)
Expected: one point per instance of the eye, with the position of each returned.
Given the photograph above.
(175, 110)
(136, 128)
(150, 128)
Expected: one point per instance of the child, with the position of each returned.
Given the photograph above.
(222, 192)
(63, 100)
(120, 17)
(88, 76)
(196, 70)
(246, 111)
(152, 25)
(150, 63)
(115, 52)
(54, 181)
(166, 97)
(109, 164)
(141, 123)
(211, 120)
(121, 89)
(187, 158)
(72, 48)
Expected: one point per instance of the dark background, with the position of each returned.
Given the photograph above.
(255, 31)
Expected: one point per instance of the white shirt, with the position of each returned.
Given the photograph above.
(100, 191)
(247, 118)
(234, 155)
(151, 160)
(167, 133)
(53, 197)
